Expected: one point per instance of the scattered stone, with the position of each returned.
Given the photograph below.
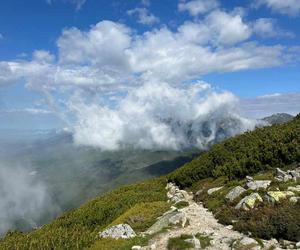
(298, 244)
(174, 194)
(249, 178)
(286, 176)
(249, 201)
(123, 231)
(276, 196)
(295, 199)
(230, 227)
(235, 192)
(246, 243)
(136, 248)
(294, 189)
(212, 190)
(255, 185)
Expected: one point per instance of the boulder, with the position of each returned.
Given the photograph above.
(123, 231)
(282, 175)
(276, 196)
(249, 201)
(260, 184)
(212, 190)
(161, 222)
(295, 199)
(248, 243)
(235, 192)
(294, 188)
(179, 218)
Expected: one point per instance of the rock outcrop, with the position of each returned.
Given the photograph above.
(235, 193)
(249, 201)
(121, 231)
(260, 184)
(276, 196)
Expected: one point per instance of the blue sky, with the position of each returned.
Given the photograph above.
(263, 40)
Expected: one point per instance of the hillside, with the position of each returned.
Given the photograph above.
(140, 204)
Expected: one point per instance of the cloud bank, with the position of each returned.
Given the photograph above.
(159, 116)
(23, 199)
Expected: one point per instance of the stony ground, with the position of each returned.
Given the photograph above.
(202, 221)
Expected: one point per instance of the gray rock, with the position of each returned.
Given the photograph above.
(195, 242)
(162, 222)
(249, 201)
(295, 199)
(179, 218)
(212, 190)
(276, 196)
(123, 231)
(280, 173)
(136, 248)
(246, 243)
(294, 189)
(298, 244)
(255, 185)
(235, 192)
(249, 178)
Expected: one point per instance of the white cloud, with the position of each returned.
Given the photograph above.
(77, 3)
(143, 16)
(158, 116)
(286, 7)
(266, 28)
(196, 7)
(1, 36)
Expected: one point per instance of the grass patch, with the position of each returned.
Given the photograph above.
(142, 215)
(181, 204)
(118, 244)
(204, 240)
(179, 243)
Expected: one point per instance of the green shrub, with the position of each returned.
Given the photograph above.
(179, 243)
(246, 154)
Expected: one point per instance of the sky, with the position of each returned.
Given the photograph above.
(60, 57)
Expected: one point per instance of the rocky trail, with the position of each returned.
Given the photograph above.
(199, 220)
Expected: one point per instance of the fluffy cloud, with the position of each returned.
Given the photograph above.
(196, 7)
(143, 16)
(286, 7)
(159, 116)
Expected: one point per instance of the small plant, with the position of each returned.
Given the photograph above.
(180, 243)
(204, 240)
(181, 204)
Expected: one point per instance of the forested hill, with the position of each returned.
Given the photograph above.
(246, 154)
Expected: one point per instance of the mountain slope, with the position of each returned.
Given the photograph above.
(262, 149)
(249, 153)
